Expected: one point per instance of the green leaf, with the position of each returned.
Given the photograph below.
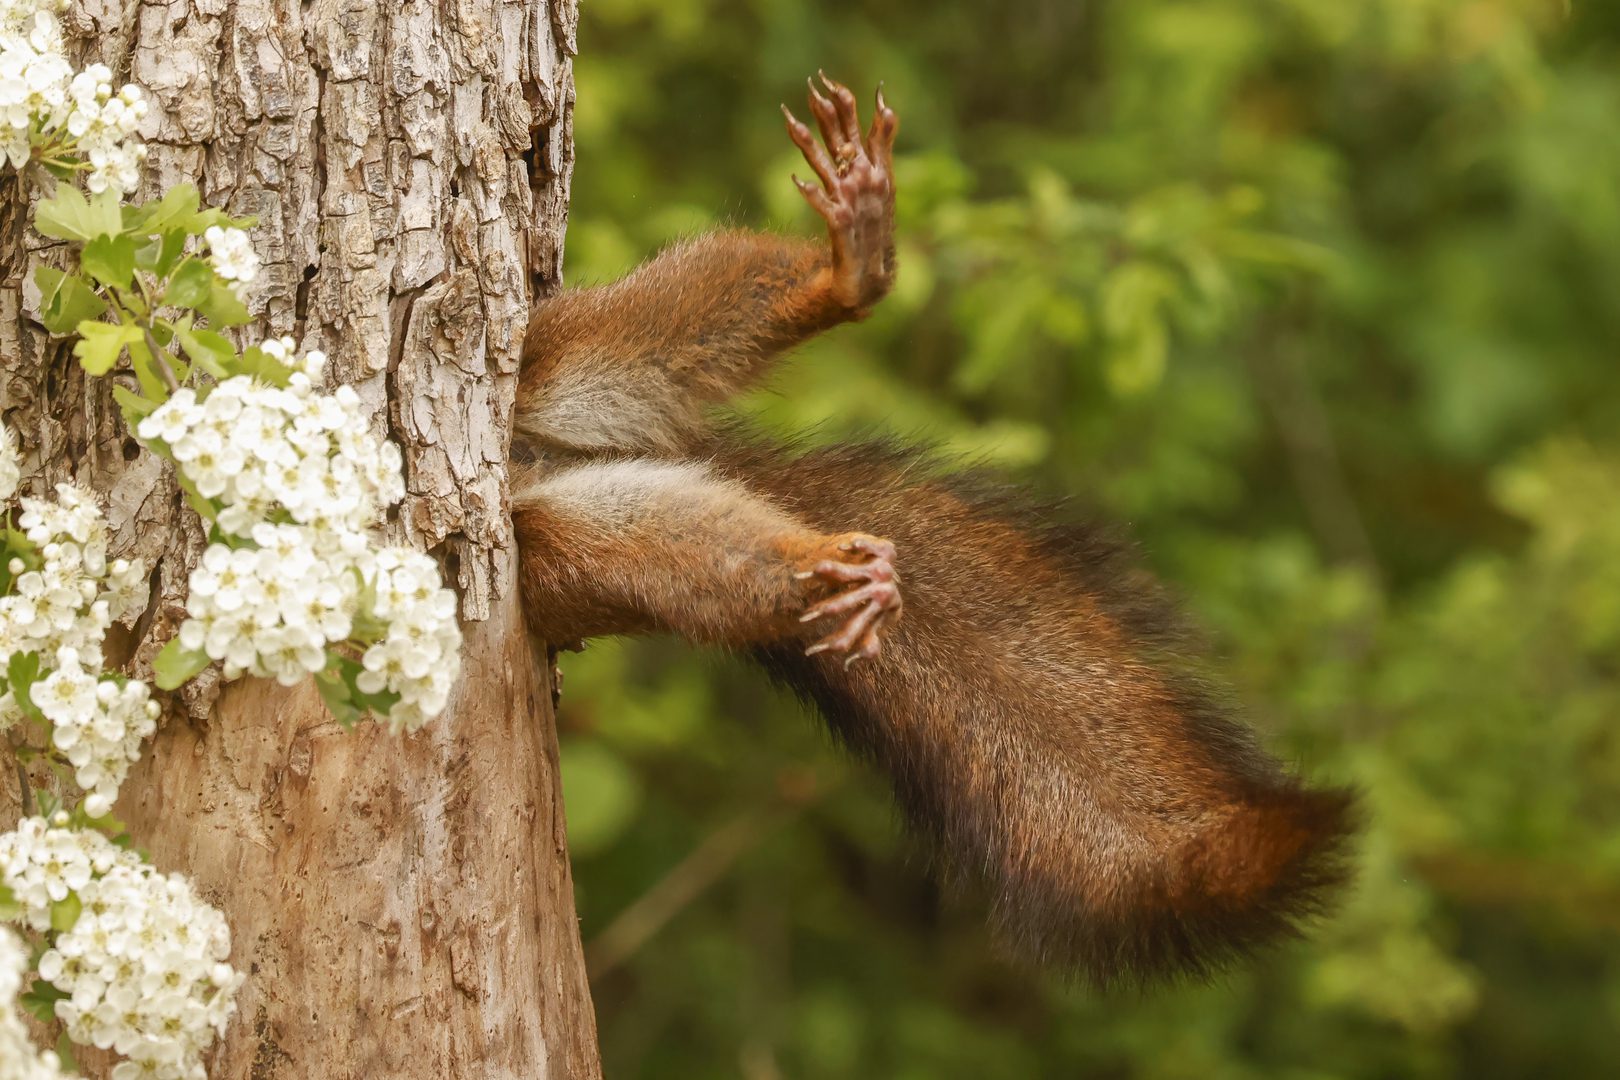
(64, 1053)
(22, 672)
(65, 300)
(10, 909)
(335, 691)
(212, 351)
(206, 508)
(108, 825)
(65, 912)
(153, 384)
(100, 343)
(148, 251)
(380, 703)
(133, 406)
(1136, 364)
(347, 701)
(175, 209)
(110, 260)
(179, 210)
(1132, 295)
(224, 307)
(40, 1001)
(69, 216)
(191, 285)
(261, 365)
(161, 253)
(175, 664)
(18, 545)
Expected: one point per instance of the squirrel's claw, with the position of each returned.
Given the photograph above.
(813, 153)
(856, 194)
(880, 140)
(874, 592)
(867, 608)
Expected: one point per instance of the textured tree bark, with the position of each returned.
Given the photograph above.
(403, 906)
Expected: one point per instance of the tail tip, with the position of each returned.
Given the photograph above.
(1235, 890)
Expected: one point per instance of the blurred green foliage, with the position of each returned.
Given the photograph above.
(1324, 299)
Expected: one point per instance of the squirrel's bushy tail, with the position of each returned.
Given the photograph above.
(1042, 739)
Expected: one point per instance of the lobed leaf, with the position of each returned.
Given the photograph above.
(110, 260)
(174, 664)
(191, 285)
(65, 300)
(65, 912)
(68, 215)
(100, 344)
(40, 1001)
(22, 672)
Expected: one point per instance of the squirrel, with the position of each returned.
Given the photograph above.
(1015, 674)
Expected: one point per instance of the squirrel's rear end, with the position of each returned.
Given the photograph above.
(1043, 738)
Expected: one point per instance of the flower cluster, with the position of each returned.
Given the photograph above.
(298, 479)
(64, 594)
(74, 594)
(102, 126)
(419, 654)
(144, 963)
(99, 723)
(34, 74)
(232, 254)
(44, 104)
(259, 449)
(18, 1058)
(271, 610)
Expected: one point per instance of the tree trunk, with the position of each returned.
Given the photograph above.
(402, 905)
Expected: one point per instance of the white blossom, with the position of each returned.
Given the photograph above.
(10, 468)
(271, 610)
(299, 479)
(257, 448)
(144, 966)
(78, 115)
(126, 588)
(74, 594)
(272, 598)
(103, 125)
(34, 76)
(419, 655)
(231, 252)
(19, 1059)
(98, 723)
(10, 711)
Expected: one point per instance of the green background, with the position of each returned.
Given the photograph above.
(1321, 297)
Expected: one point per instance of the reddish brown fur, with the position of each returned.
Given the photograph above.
(1043, 737)
(759, 295)
(631, 547)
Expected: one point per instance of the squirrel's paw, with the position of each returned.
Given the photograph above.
(868, 596)
(856, 193)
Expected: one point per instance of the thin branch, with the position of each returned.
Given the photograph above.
(161, 359)
(1312, 452)
(686, 881)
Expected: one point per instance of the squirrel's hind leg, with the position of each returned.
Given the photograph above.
(636, 545)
